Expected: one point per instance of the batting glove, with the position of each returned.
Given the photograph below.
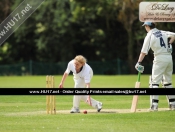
(139, 67)
(170, 49)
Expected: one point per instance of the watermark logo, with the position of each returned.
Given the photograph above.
(157, 11)
(17, 17)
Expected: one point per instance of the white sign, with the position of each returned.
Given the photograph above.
(157, 11)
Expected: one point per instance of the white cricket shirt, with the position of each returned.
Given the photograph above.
(86, 72)
(157, 40)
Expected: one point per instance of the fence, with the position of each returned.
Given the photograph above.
(114, 67)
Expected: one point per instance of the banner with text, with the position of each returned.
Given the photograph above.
(86, 91)
(17, 17)
(157, 11)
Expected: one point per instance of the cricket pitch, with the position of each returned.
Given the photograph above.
(90, 111)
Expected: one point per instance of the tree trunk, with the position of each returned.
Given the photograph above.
(130, 51)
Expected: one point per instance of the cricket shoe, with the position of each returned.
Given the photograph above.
(171, 107)
(99, 106)
(75, 110)
(153, 108)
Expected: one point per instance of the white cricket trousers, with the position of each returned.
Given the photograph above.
(162, 67)
(80, 83)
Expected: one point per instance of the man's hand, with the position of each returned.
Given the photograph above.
(139, 67)
(170, 49)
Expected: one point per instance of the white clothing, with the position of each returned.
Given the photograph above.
(157, 40)
(84, 76)
(162, 68)
(80, 79)
(78, 98)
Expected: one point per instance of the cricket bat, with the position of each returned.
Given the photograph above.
(135, 97)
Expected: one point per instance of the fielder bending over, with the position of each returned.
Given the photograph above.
(162, 68)
(82, 73)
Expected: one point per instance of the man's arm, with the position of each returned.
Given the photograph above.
(141, 57)
(172, 38)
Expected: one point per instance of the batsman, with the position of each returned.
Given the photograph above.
(162, 68)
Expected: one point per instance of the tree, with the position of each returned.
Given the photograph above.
(128, 15)
(101, 30)
(4, 12)
(5, 8)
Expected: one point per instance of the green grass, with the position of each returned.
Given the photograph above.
(118, 81)
(23, 113)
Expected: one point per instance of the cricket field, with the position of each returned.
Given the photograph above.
(21, 113)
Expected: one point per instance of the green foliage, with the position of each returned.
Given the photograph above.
(58, 30)
(5, 8)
